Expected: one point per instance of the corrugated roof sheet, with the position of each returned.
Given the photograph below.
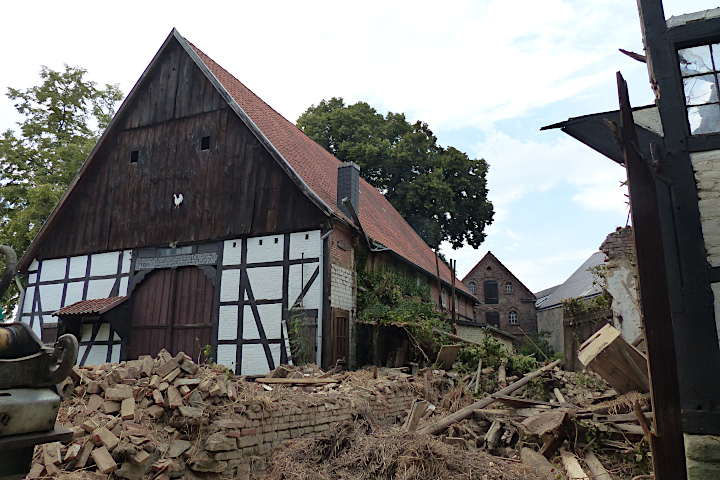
(580, 284)
(91, 307)
(318, 169)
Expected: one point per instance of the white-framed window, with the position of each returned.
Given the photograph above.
(472, 287)
(513, 317)
(508, 287)
(443, 298)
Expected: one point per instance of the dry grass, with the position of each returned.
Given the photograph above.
(360, 450)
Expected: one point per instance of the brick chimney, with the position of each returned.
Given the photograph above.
(348, 186)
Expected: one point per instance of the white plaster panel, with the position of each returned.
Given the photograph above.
(98, 288)
(115, 355)
(46, 319)
(271, 249)
(271, 318)
(104, 264)
(227, 322)
(78, 266)
(232, 252)
(37, 328)
(33, 265)
(707, 176)
(103, 333)
(716, 294)
(275, 352)
(226, 355)
(302, 247)
(97, 355)
(230, 285)
(254, 361)
(620, 284)
(51, 297)
(86, 332)
(81, 353)
(32, 278)
(126, 261)
(53, 269)
(74, 292)
(266, 282)
(300, 275)
(123, 286)
(28, 301)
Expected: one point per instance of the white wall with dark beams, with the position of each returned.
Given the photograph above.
(262, 278)
(59, 282)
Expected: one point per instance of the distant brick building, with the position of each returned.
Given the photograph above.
(504, 301)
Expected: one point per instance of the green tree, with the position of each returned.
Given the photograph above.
(64, 117)
(441, 192)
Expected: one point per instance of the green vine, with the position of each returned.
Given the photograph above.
(388, 297)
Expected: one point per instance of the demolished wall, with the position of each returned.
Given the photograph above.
(621, 282)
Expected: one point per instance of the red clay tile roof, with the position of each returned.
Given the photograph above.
(318, 169)
(91, 307)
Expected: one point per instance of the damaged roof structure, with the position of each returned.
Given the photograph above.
(671, 151)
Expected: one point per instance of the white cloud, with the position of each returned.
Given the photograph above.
(519, 167)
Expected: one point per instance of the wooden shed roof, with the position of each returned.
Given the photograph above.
(311, 167)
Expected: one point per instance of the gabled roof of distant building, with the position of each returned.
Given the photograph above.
(488, 256)
(581, 284)
(311, 167)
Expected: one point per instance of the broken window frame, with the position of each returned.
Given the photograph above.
(711, 105)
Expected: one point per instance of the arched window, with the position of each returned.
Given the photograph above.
(513, 317)
(508, 287)
(472, 287)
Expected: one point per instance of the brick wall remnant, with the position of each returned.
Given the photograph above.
(621, 282)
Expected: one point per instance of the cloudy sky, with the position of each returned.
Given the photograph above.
(485, 75)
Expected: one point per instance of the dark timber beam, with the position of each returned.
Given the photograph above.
(687, 272)
(667, 439)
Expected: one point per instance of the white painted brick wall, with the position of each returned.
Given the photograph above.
(226, 355)
(302, 247)
(300, 274)
(51, 296)
(271, 249)
(270, 317)
(227, 322)
(74, 293)
(230, 286)
(78, 266)
(342, 284)
(232, 252)
(96, 289)
(266, 282)
(254, 361)
(53, 269)
(707, 177)
(103, 264)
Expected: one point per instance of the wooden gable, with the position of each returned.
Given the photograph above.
(175, 135)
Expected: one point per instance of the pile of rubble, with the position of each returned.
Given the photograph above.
(168, 417)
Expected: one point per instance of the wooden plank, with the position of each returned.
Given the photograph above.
(298, 381)
(572, 466)
(598, 471)
(440, 425)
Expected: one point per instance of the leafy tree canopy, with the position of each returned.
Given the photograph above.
(64, 117)
(441, 192)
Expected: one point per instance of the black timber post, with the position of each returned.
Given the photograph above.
(687, 271)
(668, 451)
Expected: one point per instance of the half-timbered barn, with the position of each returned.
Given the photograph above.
(218, 220)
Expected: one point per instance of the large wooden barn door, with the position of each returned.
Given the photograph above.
(172, 309)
